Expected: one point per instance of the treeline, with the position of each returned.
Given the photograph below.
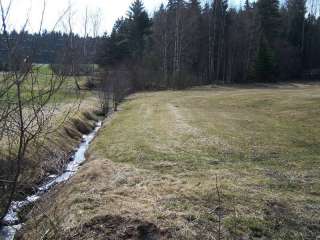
(186, 44)
(48, 47)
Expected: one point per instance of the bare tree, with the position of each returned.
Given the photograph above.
(95, 22)
(160, 37)
(73, 52)
(86, 62)
(27, 107)
(105, 90)
(85, 35)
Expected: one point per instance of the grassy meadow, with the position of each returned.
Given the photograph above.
(42, 77)
(246, 158)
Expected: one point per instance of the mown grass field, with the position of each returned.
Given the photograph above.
(164, 157)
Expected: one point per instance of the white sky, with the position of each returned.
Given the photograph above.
(109, 11)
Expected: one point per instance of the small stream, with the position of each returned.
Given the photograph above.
(12, 218)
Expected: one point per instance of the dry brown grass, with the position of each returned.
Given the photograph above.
(156, 161)
(52, 150)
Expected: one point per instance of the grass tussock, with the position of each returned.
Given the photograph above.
(228, 162)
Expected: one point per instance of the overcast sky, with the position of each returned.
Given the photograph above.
(109, 11)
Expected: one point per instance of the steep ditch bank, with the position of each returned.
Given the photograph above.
(58, 167)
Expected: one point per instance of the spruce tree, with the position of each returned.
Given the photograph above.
(269, 19)
(138, 29)
(264, 67)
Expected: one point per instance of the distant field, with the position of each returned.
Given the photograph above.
(43, 76)
(159, 159)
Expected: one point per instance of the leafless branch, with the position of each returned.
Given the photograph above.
(24, 118)
(42, 15)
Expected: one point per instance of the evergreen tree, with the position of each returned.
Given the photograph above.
(264, 67)
(116, 47)
(269, 19)
(138, 29)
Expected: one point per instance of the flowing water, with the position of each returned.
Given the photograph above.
(12, 218)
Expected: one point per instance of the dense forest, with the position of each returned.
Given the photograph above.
(186, 44)
(47, 47)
